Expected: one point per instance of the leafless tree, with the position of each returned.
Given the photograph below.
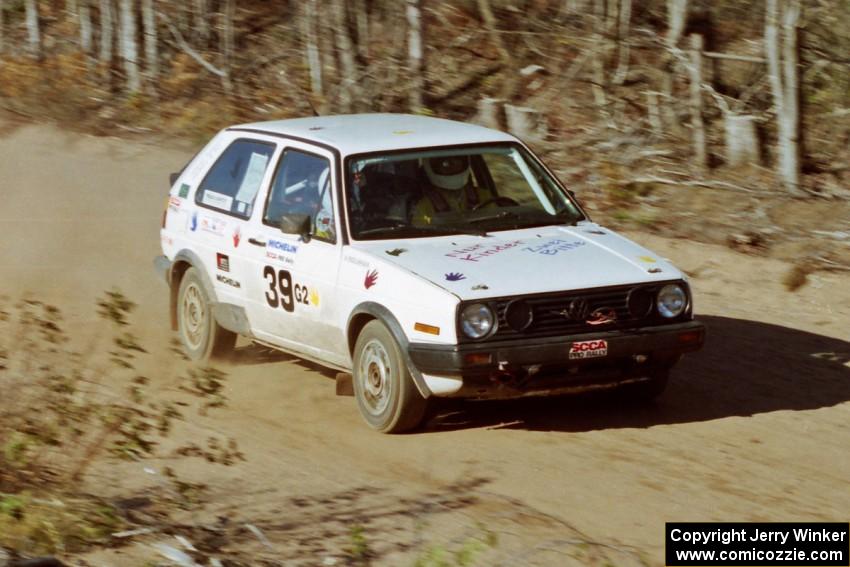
(202, 28)
(106, 31)
(151, 49)
(227, 42)
(2, 25)
(84, 15)
(129, 48)
(310, 26)
(349, 89)
(780, 42)
(415, 55)
(33, 32)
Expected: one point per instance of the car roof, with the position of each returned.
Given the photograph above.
(361, 133)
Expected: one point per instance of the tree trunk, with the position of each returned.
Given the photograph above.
(314, 56)
(33, 34)
(151, 50)
(653, 115)
(106, 31)
(129, 49)
(525, 123)
(2, 25)
(84, 14)
(491, 113)
(782, 59)
(742, 145)
(349, 91)
(697, 126)
(677, 12)
(624, 18)
(227, 44)
(202, 28)
(415, 55)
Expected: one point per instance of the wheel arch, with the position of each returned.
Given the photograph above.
(369, 311)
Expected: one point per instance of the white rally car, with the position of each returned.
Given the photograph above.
(424, 256)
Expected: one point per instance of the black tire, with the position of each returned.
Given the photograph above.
(203, 339)
(647, 390)
(386, 395)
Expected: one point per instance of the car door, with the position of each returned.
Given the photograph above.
(291, 300)
(224, 202)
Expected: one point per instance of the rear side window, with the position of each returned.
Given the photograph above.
(234, 180)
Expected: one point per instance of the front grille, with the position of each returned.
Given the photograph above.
(553, 314)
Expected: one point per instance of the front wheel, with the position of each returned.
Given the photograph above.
(202, 337)
(386, 395)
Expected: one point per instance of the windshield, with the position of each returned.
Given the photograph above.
(463, 190)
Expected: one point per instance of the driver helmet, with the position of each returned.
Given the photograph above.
(448, 172)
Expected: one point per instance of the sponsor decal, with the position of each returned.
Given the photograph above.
(314, 298)
(193, 223)
(174, 204)
(222, 261)
(356, 261)
(217, 200)
(280, 257)
(214, 225)
(589, 349)
(477, 287)
(184, 191)
(455, 277)
(477, 252)
(555, 246)
(371, 278)
(167, 240)
(647, 259)
(237, 236)
(402, 132)
(229, 281)
(282, 246)
(396, 251)
(602, 316)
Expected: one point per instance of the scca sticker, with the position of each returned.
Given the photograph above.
(589, 349)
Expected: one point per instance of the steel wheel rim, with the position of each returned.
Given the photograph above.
(193, 315)
(375, 377)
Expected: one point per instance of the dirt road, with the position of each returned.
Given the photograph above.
(754, 427)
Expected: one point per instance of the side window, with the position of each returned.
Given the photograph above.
(302, 185)
(234, 180)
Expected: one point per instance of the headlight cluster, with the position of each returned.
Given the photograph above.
(476, 320)
(672, 301)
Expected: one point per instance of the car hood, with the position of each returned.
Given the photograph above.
(535, 260)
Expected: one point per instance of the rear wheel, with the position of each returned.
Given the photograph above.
(386, 395)
(202, 337)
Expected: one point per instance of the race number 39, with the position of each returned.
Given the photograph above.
(281, 292)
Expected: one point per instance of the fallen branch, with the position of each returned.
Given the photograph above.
(187, 49)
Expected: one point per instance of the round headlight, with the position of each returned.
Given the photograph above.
(672, 301)
(476, 320)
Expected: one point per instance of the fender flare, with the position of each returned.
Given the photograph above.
(385, 316)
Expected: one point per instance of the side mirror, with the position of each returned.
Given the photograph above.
(173, 178)
(295, 223)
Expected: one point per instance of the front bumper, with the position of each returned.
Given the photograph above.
(630, 351)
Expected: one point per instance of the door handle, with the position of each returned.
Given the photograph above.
(256, 242)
